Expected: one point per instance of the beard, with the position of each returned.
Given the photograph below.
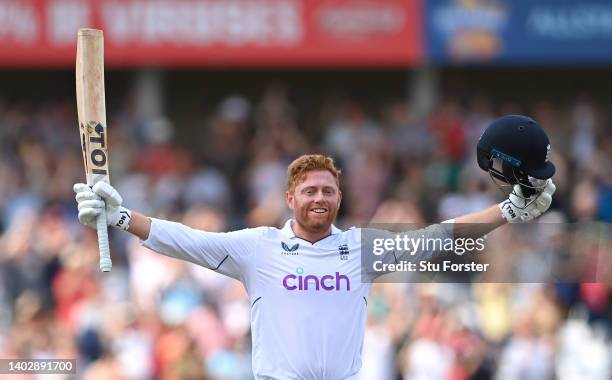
(313, 222)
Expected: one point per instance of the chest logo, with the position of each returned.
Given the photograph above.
(290, 251)
(343, 251)
(309, 282)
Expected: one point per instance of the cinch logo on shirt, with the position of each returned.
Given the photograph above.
(326, 282)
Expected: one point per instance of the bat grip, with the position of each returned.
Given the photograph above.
(105, 260)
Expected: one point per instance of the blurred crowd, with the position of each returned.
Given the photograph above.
(154, 317)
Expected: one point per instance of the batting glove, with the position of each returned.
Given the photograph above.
(91, 202)
(518, 208)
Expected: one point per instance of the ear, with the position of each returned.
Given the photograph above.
(339, 198)
(290, 199)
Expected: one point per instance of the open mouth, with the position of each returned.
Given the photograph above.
(319, 210)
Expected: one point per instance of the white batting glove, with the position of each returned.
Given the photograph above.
(514, 210)
(91, 202)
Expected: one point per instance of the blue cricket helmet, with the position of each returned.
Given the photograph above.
(521, 146)
(515, 150)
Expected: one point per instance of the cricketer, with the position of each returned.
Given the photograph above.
(308, 302)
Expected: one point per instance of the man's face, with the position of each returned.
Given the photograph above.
(315, 201)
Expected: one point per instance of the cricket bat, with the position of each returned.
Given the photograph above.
(91, 110)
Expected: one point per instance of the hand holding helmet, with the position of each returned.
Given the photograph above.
(518, 208)
(515, 151)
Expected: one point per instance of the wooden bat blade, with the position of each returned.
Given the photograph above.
(91, 109)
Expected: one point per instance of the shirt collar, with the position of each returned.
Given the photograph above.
(287, 231)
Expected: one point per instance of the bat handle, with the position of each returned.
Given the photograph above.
(105, 260)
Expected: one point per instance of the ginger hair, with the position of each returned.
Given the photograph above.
(296, 172)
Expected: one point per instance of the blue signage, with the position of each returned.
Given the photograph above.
(519, 31)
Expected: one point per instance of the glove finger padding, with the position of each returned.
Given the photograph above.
(518, 208)
(86, 196)
(89, 214)
(543, 201)
(93, 204)
(81, 187)
(550, 187)
(109, 193)
(530, 215)
(88, 217)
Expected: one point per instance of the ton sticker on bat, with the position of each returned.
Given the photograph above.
(98, 156)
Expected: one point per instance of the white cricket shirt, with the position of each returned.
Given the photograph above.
(308, 301)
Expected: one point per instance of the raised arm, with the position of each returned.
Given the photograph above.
(478, 223)
(226, 253)
(514, 209)
(140, 225)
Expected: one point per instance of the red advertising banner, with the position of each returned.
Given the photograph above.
(215, 33)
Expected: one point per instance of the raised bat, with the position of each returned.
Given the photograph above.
(91, 110)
